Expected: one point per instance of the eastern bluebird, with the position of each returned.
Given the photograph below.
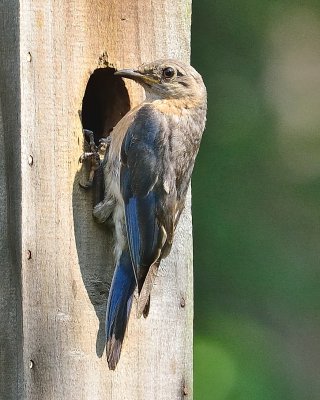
(147, 171)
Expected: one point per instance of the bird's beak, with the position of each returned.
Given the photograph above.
(137, 76)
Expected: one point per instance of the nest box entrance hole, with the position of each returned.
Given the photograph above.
(105, 102)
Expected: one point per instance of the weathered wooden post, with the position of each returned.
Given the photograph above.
(56, 263)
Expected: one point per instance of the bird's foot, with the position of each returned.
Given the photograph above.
(94, 156)
(104, 144)
(93, 159)
(90, 139)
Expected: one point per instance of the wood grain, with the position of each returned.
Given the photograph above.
(64, 284)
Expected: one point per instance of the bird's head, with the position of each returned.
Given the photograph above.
(167, 79)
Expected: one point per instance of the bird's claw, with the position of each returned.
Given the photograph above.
(90, 139)
(94, 156)
(104, 143)
(94, 160)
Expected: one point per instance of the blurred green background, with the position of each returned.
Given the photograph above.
(256, 201)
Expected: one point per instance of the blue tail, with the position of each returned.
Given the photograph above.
(118, 307)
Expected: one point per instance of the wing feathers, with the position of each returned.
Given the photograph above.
(149, 209)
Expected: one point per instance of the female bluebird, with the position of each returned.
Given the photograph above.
(147, 171)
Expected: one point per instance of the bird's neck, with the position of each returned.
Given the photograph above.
(189, 102)
(177, 106)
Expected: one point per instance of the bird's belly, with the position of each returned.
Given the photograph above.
(112, 180)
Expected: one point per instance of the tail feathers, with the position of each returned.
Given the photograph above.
(118, 308)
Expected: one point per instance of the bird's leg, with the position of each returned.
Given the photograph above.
(92, 144)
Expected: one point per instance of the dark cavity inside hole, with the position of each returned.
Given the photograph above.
(105, 102)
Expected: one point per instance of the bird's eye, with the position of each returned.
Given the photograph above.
(168, 72)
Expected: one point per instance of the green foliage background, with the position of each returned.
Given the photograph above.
(256, 201)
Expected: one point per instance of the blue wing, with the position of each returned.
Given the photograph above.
(149, 207)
